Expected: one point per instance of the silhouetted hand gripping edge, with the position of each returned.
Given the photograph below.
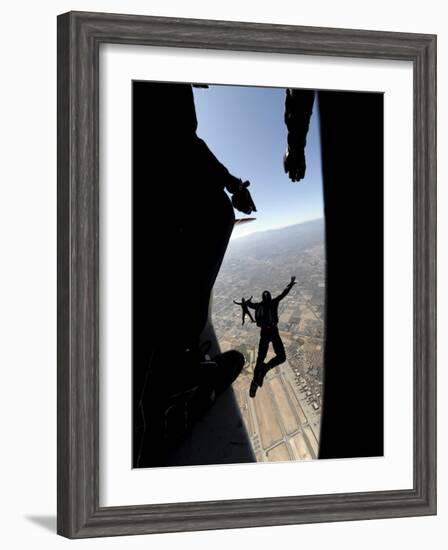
(241, 197)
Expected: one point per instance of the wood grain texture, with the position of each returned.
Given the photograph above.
(79, 37)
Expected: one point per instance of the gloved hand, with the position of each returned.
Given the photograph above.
(242, 199)
(294, 164)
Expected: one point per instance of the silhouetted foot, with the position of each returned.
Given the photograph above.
(259, 374)
(253, 388)
(210, 378)
(229, 367)
(179, 400)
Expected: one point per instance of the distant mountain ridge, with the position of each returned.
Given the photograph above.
(275, 242)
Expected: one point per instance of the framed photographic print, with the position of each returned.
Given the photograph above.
(246, 274)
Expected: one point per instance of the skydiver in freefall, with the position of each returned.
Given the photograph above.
(266, 315)
(245, 309)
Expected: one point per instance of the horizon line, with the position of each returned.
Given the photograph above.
(277, 228)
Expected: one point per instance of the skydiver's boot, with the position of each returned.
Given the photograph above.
(260, 373)
(257, 381)
(253, 388)
(179, 396)
(206, 380)
(229, 365)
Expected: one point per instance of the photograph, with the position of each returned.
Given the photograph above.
(222, 236)
(246, 305)
(257, 274)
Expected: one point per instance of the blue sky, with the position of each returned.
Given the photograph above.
(245, 129)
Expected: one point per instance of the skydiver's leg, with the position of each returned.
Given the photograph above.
(279, 349)
(263, 347)
(208, 225)
(188, 261)
(244, 317)
(278, 359)
(250, 316)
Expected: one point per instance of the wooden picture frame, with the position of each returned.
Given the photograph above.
(79, 38)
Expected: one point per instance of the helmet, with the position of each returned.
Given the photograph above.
(266, 296)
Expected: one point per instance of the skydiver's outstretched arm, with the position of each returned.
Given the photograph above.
(287, 289)
(251, 304)
(237, 303)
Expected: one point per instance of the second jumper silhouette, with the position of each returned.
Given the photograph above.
(245, 309)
